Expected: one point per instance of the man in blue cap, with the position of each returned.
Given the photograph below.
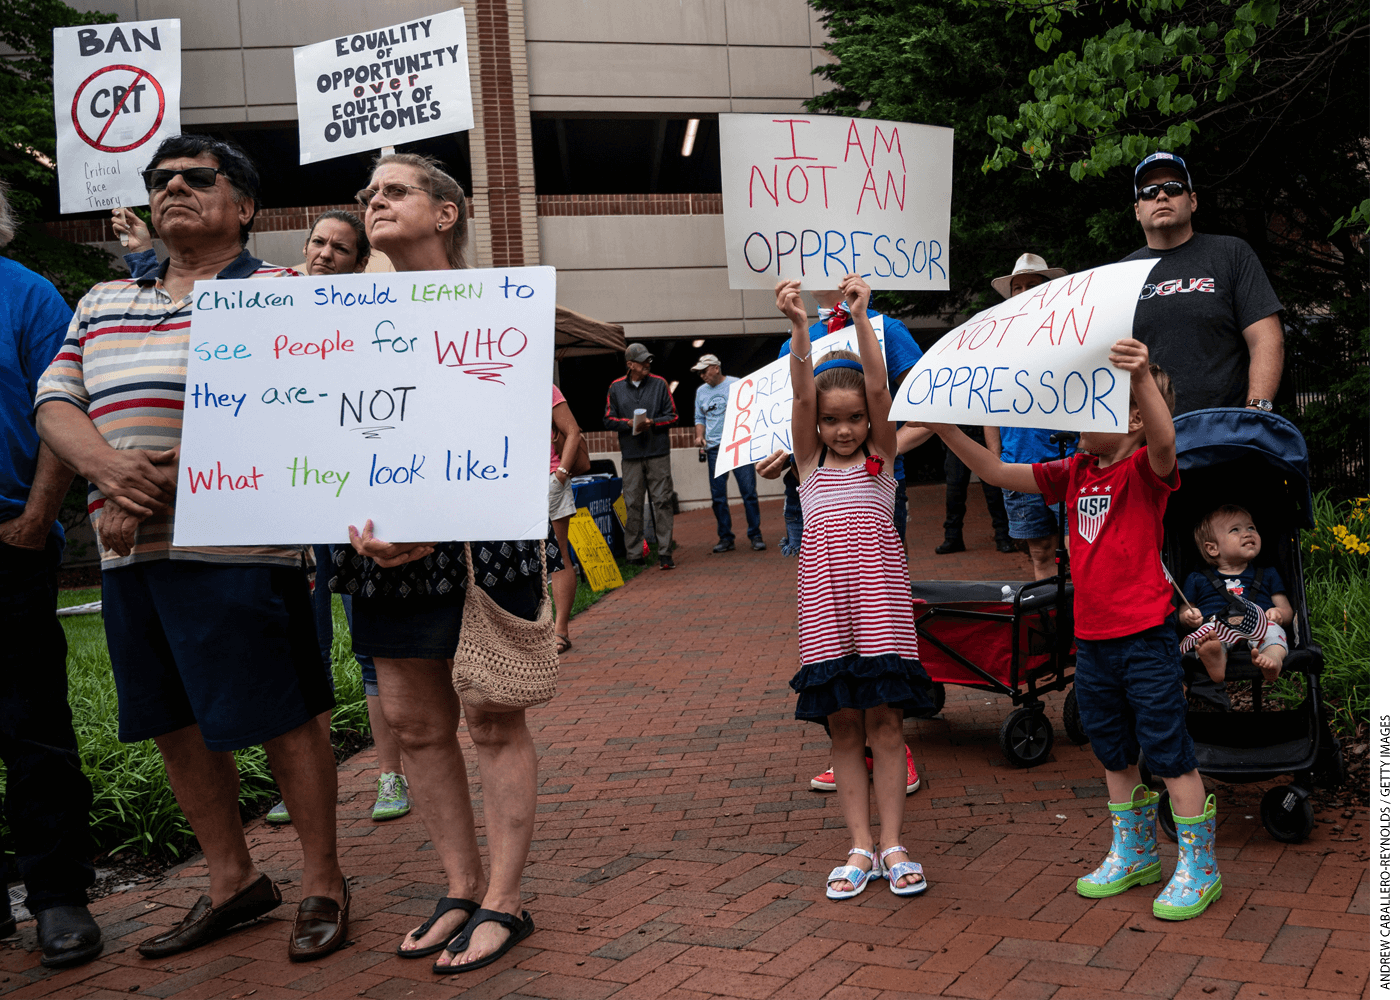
(1207, 314)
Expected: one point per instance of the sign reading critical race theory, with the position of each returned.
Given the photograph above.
(758, 417)
(116, 96)
(1039, 359)
(819, 197)
(418, 399)
(378, 88)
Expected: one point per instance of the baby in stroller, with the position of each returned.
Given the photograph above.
(1229, 542)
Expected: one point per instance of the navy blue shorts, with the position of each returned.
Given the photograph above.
(230, 648)
(1028, 517)
(428, 628)
(1130, 696)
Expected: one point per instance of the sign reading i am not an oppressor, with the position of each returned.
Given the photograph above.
(758, 416)
(116, 96)
(382, 87)
(1039, 359)
(419, 399)
(817, 197)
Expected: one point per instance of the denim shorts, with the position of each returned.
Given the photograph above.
(230, 648)
(1130, 697)
(1028, 517)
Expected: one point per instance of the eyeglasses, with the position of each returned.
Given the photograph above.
(1172, 188)
(391, 192)
(196, 177)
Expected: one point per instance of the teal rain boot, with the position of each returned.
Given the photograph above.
(1196, 882)
(1132, 860)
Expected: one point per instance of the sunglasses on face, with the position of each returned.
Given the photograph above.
(1172, 188)
(195, 177)
(391, 192)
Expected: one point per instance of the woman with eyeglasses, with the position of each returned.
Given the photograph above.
(408, 599)
(336, 244)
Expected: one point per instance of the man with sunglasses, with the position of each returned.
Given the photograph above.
(1207, 314)
(213, 649)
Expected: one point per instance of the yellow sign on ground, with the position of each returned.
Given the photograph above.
(620, 509)
(599, 566)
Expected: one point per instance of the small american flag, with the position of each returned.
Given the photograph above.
(1243, 621)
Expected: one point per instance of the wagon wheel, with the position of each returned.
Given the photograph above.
(1026, 737)
(1287, 814)
(1074, 729)
(938, 694)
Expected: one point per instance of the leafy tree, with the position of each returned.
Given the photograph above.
(28, 143)
(1054, 101)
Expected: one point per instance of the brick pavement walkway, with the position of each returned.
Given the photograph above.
(679, 852)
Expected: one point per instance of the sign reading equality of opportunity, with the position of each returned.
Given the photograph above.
(418, 399)
(1039, 359)
(378, 88)
(817, 197)
(758, 417)
(116, 95)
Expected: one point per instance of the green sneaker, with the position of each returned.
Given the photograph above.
(278, 813)
(392, 800)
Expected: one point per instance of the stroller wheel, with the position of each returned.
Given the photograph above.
(1070, 713)
(1026, 737)
(1287, 814)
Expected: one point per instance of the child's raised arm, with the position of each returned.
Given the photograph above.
(883, 436)
(989, 468)
(805, 443)
(1131, 356)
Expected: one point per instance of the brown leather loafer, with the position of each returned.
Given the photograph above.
(205, 921)
(320, 926)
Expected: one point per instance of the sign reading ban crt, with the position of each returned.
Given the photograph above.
(417, 399)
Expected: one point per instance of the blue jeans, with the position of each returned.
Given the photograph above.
(747, 481)
(792, 513)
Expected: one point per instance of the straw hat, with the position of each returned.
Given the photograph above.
(1027, 263)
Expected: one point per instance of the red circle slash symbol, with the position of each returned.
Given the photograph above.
(119, 106)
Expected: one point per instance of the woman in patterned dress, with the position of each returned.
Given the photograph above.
(860, 663)
(408, 600)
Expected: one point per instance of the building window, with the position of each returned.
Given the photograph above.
(624, 156)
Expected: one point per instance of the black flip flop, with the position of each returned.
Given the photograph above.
(520, 927)
(444, 905)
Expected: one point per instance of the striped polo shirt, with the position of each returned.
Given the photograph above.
(124, 363)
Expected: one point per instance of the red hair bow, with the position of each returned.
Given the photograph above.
(874, 465)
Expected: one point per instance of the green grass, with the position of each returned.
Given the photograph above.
(133, 806)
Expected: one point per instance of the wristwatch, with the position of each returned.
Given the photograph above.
(1267, 405)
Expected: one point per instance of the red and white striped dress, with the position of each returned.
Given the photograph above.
(855, 622)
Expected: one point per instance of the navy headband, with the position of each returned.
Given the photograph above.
(838, 363)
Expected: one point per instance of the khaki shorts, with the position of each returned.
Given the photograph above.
(561, 499)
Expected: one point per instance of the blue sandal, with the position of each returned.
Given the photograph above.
(444, 905)
(858, 877)
(520, 928)
(900, 869)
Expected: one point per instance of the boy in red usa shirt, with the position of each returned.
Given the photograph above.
(1129, 674)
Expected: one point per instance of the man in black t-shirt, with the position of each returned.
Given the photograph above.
(1207, 314)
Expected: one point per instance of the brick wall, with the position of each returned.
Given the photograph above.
(601, 442)
(630, 204)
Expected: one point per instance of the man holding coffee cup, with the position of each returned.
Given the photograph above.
(640, 408)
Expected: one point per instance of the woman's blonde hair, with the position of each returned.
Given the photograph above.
(840, 378)
(443, 187)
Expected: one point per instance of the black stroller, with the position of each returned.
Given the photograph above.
(1259, 461)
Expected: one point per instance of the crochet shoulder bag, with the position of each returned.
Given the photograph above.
(504, 663)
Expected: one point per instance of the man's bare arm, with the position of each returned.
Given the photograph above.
(141, 482)
(51, 481)
(1265, 342)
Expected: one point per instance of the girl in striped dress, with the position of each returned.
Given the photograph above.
(860, 662)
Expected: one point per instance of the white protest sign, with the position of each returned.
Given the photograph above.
(116, 96)
(420, 399)
(818, 197)
(382, 87)
(1039, 359)
(758, 416)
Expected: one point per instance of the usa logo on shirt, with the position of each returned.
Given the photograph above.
(1092, 509)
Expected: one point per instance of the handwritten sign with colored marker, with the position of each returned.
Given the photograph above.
(1039, 359)
(758, 418)
(420, 400)
(817, 197)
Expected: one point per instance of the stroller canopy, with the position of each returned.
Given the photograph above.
(1226, 436)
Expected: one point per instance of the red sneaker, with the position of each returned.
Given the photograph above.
(826, 781)
(911, 781)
